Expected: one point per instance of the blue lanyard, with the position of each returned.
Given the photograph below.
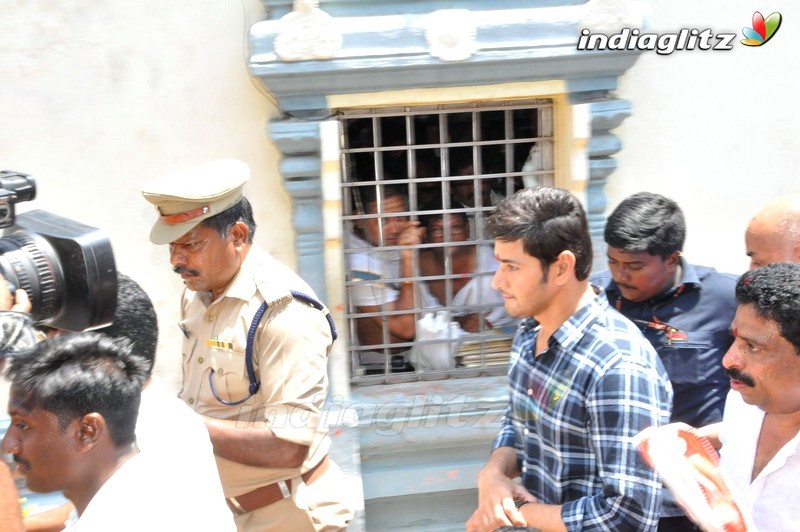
(255, 384)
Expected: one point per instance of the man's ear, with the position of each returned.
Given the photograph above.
(89, 431)
(564, 266)
(674, 260)
(240, 233)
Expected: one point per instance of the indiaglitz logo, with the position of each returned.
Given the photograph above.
(662, 43)
(684, 39)
(763, 29)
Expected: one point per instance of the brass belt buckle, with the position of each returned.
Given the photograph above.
(235, 507)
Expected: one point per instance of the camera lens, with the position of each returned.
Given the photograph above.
(66, 268)
(25, 263)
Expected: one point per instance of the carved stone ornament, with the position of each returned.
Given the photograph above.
(450, 34)
(609, 16)
(307, 33)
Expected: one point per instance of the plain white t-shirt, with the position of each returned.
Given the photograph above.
(171, 484)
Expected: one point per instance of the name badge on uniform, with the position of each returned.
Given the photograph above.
(213, 342)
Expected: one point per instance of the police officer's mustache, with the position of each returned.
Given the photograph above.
(737, 375)
(183, 270)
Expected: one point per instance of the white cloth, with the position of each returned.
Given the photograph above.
(171, 484)
(478, 291)
(438, 355)
(174, 438)
(142, 497)
(771, 499)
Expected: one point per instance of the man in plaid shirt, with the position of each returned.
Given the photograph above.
(583, 379)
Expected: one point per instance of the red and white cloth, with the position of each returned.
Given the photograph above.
(689, 466)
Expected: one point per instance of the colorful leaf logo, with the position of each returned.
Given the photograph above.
(762, 29)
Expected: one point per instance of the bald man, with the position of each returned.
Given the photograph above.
(773, 234)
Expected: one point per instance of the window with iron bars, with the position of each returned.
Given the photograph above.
(418, 186)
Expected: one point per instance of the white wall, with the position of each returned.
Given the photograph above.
(717, 131)
(97, 97)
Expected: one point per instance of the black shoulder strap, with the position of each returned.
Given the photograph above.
(255, 384)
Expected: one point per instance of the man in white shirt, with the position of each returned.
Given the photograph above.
(174, 439)
(171, 436)
(74, 403)
(762, 415)
(73, 406)
(459, 275)
(376, 269)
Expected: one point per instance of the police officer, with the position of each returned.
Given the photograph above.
(263, 401)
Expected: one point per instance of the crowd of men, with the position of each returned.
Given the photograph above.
(254, 366)
(596, 359)
(569, 384)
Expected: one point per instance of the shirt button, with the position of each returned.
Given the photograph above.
(526, 432)
(191, 401)
(524, 469)
(220, 371)
(209, 318)
(200, 360)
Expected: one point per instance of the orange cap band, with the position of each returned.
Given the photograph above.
(181, 217)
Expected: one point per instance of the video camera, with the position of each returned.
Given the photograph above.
(66, 268)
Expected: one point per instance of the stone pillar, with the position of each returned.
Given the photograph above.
(300, 166)
(605, 116)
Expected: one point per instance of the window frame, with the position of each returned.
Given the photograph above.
(546, 122)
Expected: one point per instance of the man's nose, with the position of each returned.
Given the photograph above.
(496, 279)
(619, 273)
(176, 256)
(732, 358)
(394, 224)
(10, 443)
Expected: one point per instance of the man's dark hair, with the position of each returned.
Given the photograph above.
(365, 197)
(239, 212)
(774, 292)
(647, 222)
(74, 374)
(436, 203)
(134, 319)
(548, 221)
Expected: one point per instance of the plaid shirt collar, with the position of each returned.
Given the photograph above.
(571, 331)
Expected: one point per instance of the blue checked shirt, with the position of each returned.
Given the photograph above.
(573, 412)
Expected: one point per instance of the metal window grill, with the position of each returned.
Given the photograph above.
(451, 164)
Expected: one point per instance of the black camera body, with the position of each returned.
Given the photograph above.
(14, 187)
(66, 268)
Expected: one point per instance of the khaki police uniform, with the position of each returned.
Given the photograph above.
(289, 357)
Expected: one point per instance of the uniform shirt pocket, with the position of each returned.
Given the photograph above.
(688, 361)
(228, 376)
